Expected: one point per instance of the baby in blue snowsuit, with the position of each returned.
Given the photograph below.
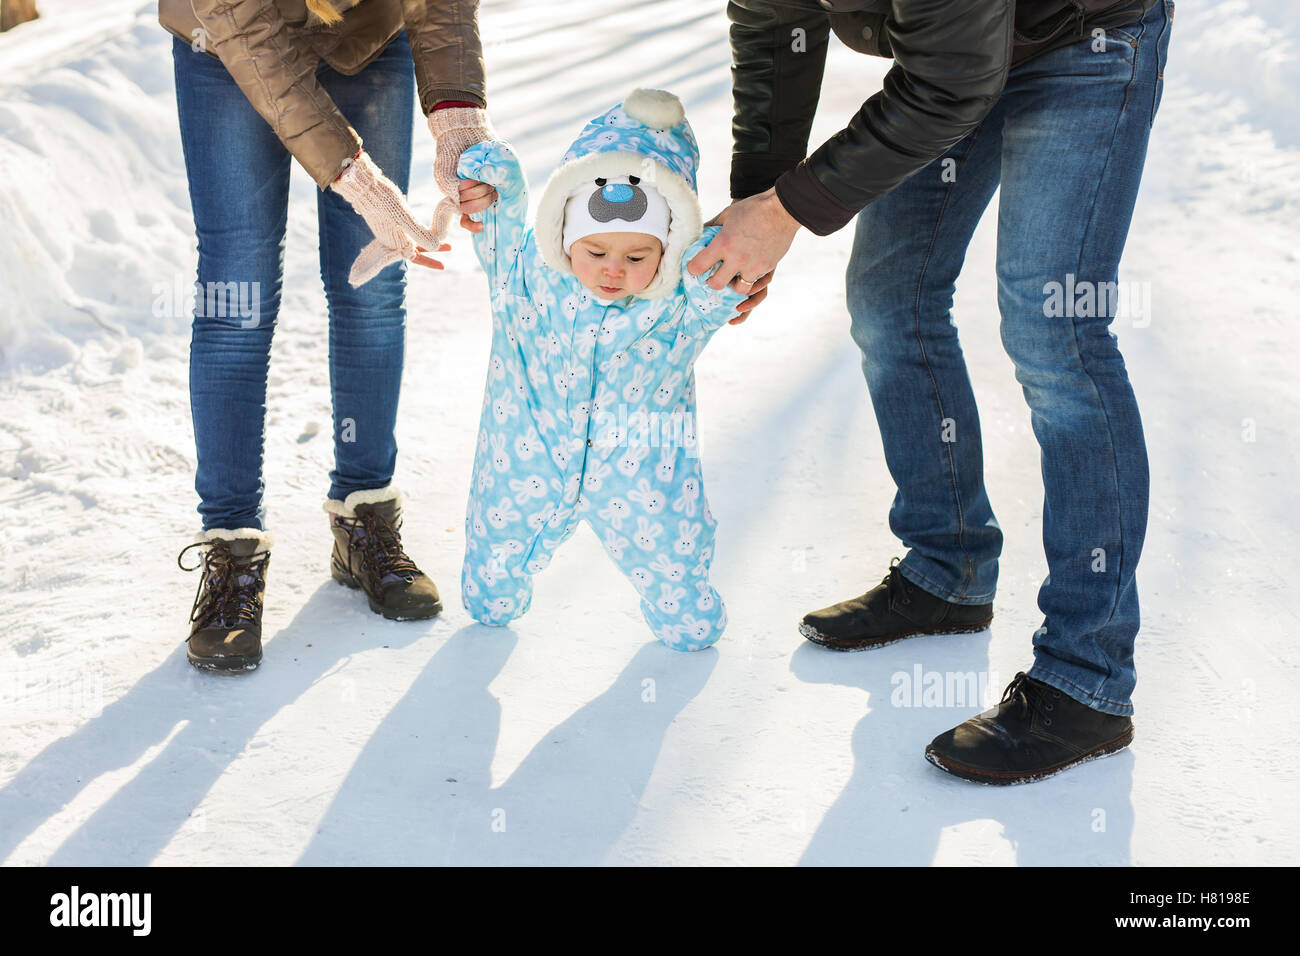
(589, 408)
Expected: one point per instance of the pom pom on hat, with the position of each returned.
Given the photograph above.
(658, 109)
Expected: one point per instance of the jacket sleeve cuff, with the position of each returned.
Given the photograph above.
(432, 96)
(811, 204)
(329, 156)
(753, 173)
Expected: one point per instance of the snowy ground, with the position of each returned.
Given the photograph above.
(572, 738)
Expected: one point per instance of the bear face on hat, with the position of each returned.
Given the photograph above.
(615, 204)
(617, 200)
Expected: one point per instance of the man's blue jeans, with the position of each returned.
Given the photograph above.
(239, 191)
(1066, 141)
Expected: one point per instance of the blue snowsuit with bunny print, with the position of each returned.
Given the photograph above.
(588, 414)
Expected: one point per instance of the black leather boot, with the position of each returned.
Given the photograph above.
(1036, 731)
(368, 555)
(891, 611)
(226, 619)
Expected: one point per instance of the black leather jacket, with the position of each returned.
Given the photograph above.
(951, 59)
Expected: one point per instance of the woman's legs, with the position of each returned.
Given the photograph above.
(367, 326)
(238, 175)
(367, 346)
(239, 187)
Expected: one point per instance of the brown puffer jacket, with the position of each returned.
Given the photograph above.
(272, 48)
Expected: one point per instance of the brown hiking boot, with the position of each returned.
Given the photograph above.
(226, 619)
(368, 555)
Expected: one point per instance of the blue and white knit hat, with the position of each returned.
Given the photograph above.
(645, 138)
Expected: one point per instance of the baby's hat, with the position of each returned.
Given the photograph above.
(624, 204)
(631, 170)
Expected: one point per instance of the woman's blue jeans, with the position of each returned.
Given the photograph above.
(239, 191)
(1066, 142)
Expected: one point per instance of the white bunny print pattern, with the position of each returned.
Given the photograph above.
(588, 414)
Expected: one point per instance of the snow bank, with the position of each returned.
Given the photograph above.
(1248, 54)
(90, 159)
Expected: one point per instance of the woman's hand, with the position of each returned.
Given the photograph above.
(756, 234)
(397, 233)
(456, 129)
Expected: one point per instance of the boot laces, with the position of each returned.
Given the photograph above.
(900, 589)
(1029, 697)
(230, 590)
(380, 546)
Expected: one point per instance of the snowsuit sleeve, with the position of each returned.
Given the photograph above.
(504, 222)
(707, 309)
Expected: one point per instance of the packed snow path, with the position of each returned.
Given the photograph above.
(572, 737)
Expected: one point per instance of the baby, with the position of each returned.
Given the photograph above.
(590, 400)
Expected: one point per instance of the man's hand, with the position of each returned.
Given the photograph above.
(756, 234)
(757, 291)
(474, 197)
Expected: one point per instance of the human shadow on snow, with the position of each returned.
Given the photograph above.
(217, 716)
(421, 793)
(896, 805)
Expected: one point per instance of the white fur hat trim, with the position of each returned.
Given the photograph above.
(684, 225)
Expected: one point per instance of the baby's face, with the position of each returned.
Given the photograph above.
(616, 264)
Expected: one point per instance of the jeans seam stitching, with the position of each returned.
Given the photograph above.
(1074, 328)
(925, 359)
(327, 268)
(1165, 6)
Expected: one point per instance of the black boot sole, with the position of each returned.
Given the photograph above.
(841, 644)
(347, 580)
(1004, 778)
(224, 665)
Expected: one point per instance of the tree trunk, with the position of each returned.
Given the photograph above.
(14, 12)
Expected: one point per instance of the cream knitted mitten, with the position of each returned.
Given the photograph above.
(456, 128)
(380, 203)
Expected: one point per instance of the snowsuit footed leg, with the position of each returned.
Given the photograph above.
(494, 586)
(667, 562)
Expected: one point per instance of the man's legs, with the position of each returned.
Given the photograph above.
(907, 252)
(1074, 142)
(1076, 124)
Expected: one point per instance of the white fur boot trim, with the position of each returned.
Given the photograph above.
(371, 496)
(265, 540)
